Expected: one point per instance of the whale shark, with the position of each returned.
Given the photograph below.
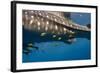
(51, 26)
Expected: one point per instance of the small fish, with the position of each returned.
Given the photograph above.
(27, 49)
(43, 34)
(54, 36)
(59, 38)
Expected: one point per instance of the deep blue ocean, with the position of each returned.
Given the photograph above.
(58, 50)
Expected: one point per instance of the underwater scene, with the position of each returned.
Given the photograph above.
(55, 36)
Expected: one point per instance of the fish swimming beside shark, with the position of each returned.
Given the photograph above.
(52, 26)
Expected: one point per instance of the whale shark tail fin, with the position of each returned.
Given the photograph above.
(88, 25)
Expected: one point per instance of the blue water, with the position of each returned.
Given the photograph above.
(60, 51)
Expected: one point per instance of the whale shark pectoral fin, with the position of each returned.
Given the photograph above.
(72, 38)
